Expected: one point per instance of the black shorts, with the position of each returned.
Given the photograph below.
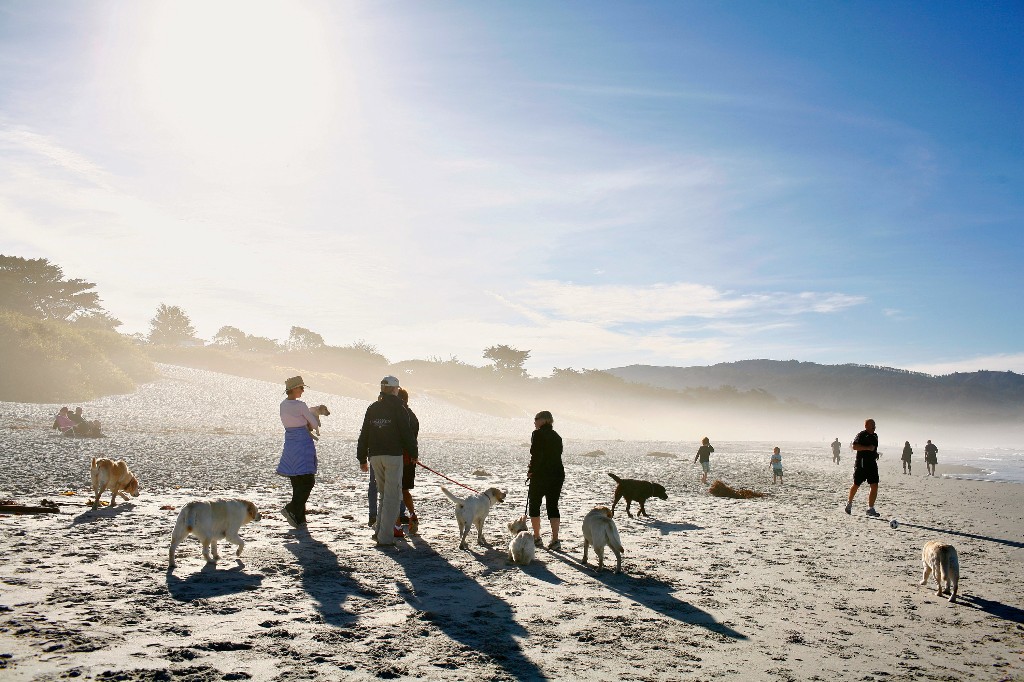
(408, 474)
(867, 471)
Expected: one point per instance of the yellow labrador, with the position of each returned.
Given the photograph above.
(472, 511)
(599, 530)
(941, 559)
(113, 476)
(210, 521)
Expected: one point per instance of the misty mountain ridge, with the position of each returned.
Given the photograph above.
(981, 394)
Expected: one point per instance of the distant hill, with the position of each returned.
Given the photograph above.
(970, 395)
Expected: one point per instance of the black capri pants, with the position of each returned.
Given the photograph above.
(549, 490)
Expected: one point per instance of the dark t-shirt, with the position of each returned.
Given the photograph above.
(866, 457)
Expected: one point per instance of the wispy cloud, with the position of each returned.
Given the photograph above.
(662, 303)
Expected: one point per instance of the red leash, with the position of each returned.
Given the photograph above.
(445, 477)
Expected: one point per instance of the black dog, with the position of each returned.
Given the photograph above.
(636, 490)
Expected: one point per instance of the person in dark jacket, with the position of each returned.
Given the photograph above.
(409, 473)
(907, 452)
(546, 475)
(386, 433)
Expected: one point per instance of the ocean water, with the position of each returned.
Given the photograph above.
(994, 464)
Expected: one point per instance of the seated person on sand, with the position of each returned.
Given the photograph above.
(64, 423)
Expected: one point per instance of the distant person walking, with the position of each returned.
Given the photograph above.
(865, 467)
(776, 464)
(546, 475)
(930, 457)
(907, 452)
(298, 458)
(704, 457)
(385, 435)
(836, 447)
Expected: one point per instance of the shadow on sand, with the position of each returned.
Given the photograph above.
(653, 593)
(209, 582)
(988, 538)
(90, 514)
(667, 527)
(995, 608)
(324, 578)
(467, 613)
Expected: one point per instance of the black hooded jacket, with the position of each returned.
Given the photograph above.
(387, 430)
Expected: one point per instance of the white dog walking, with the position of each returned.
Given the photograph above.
(941, 559)
(521, 549)
(471, 511)
(599, 530)
(211, 521)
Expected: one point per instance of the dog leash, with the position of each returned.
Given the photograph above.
(526, 509)
(445, 477)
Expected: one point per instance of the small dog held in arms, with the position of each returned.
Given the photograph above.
(320, 411)
(211, 521)
(113, 476)
(638, 491)
(599, 530)
(942, 560)
(521, 549)
(471, 511)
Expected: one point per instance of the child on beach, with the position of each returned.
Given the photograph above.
(776, 464)
(704, 455)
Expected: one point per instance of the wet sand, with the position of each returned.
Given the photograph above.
(782, 587)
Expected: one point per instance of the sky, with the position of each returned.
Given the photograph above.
(600, 183)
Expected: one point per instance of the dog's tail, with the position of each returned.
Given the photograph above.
(617, 479)
(190, 516)
(457, 500)
(613, 536)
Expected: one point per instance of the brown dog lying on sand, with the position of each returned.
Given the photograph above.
(113, 476)
(941, 559)
(210, 521)
(639, 491)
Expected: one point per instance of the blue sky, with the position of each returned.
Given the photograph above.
(603, 184)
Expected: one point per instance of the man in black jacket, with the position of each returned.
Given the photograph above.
(385, 435)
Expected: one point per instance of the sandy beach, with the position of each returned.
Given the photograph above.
(784, 587)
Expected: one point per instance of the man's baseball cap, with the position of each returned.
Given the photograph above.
(389, 381)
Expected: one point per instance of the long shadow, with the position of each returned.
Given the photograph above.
(654, 594)
(996, 608)
(90, 514)
(988, 538)
(466, 612)
(324, 578)
(209, 582)
(667, 527)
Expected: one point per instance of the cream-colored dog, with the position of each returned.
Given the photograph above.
(113, 476)
(319, 411)
(599, 530)
(210, 521)
(941, 559)
(521, 549)
(472, 511)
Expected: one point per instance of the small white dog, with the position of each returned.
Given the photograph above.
(521, 549)
(599, 530)
(941, 559)
(319, 411)
(113, 476)
(210, 521)
(472, 511)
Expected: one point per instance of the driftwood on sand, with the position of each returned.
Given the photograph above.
(719, 489)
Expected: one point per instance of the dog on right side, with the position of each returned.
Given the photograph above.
(942, 560)
(599, 530)
(634, 490)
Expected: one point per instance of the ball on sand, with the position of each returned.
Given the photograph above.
(894, 524)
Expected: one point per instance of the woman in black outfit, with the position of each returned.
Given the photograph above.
(546, 475)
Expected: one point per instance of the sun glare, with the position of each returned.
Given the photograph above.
(239, 82)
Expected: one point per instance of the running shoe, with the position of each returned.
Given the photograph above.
(414, 526)
(538, 543)
(289, 517)
(871, 512)
(555, 546)
(849, 507)
(399, 533)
